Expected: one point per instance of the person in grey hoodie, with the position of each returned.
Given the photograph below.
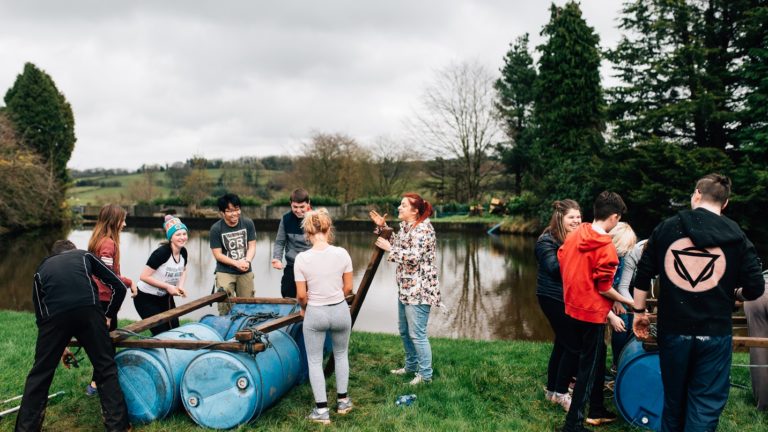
(290, 238)
(705, 263)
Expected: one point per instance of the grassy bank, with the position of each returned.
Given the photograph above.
(479, 386)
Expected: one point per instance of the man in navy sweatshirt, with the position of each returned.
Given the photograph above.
(290, 238)
(705, 263)
(67, 304)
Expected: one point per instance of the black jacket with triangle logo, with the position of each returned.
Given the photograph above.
(700, 258)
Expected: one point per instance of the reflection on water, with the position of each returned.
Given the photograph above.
(488, 283)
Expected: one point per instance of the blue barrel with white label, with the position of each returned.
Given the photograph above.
(244, 315)
(221, 390)
(638, 390)
(150, 378)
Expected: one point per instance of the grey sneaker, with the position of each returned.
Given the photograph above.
(343, 407)
(317, 417)
(420, 380)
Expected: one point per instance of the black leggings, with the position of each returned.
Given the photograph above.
(148, 305)
(563, 363)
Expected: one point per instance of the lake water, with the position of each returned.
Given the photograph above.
(488, 283)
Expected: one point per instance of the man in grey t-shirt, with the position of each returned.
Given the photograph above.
(233, 244)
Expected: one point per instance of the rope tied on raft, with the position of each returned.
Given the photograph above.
(256, 338)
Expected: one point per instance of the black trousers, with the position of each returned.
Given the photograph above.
(563, 363)
(148, 305)
(587, 339)
(88, 326)
(288, 283)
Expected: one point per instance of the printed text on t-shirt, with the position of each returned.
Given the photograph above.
(235, 243)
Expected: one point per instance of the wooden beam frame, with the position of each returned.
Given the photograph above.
(365, 284)
(190, 345)
(155, 320)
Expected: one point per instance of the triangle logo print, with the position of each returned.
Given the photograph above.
(694, 265)
(692, 268)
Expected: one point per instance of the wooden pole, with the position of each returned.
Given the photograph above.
(262, 300)
(155, 320)
(365, 284)
(189, 345)
(271, 325)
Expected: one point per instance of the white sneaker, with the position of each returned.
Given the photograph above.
(318, 417)
(549, 395)
(400, 371)
(420, 380)
(562, 399)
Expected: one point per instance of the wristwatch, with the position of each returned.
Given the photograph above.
(636, 310)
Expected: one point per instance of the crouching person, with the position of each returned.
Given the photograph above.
(66, 305)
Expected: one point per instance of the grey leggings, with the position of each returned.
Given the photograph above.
(317, 321)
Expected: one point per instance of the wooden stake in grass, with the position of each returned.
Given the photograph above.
(365, 284)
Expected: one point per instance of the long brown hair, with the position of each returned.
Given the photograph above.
(559, 209)
(111, 218)
(421, 205)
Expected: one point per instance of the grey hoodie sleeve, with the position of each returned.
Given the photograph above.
(277, 251)
(647, 267)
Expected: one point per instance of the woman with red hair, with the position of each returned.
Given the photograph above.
(413, 250)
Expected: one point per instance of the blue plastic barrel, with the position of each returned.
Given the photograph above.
(221, 390)
(244, 315)
(296, 331)
(638, 391)
(150, 378)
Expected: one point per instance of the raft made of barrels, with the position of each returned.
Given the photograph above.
(221, 390)
(150, 378)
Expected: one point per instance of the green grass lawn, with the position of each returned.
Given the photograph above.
(478, 386)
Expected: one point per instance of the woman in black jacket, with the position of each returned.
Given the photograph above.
(566, 217)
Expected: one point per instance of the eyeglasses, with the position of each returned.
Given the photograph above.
(234, 210)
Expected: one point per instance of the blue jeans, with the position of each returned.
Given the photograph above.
(413, 321)
(695, 372)
(620, 340)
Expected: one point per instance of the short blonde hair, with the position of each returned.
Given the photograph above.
(623, 237)
(318, 221)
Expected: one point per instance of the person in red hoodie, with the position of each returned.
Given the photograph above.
(105, 245)
(588, 262)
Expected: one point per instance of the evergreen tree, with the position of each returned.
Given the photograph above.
(569, 110)
(676, 62)
(43, 119)
(515, 96)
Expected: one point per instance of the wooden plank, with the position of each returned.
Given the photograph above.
(365, 284)
(267, 327)
(189, 345)
(155, 320)
(370, 272)
(751, 342)
(262, 300)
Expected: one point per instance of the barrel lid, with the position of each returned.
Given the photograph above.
(146, 385)
(219, 390)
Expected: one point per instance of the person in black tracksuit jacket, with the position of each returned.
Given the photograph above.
(705, 263)
(67, 304)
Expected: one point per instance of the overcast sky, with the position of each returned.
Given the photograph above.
(161, 81)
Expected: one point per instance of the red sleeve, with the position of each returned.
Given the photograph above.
(605, 268)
